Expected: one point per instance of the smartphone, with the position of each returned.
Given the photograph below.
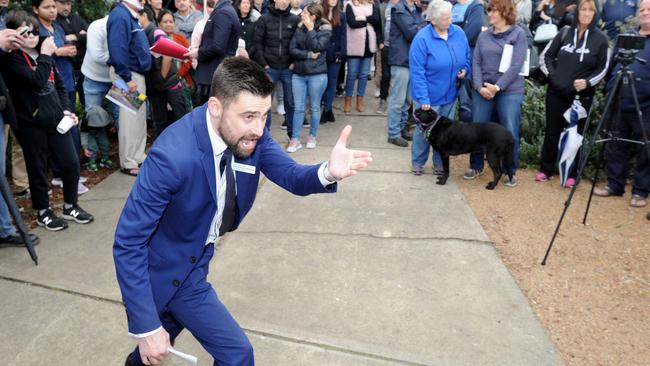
(22, 31)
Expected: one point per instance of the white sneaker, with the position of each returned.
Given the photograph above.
(57, 182)
(81, 189)
(280, 109)
(311, 142)
(82, 179)
(377, 93)
(294, 145)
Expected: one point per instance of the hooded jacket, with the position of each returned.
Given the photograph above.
(271, 38)
(305, 43)
(569, 57)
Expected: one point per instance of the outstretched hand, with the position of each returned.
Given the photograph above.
(344, 162)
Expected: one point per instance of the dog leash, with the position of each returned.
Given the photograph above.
(426, 128)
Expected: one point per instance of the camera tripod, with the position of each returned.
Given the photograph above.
(625, 77)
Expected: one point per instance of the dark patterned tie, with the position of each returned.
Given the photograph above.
(230, 205)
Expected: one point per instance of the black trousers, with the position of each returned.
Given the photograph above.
(161, 116)
(617, 154)
(556, 105)
(38, 145)
(384, 84)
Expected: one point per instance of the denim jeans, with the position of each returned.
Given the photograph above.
(507, 108)
(6, 228)
(303, 85)
(284, 76)
(94, 93)
(399, 100)
(420, 146)
(358, 68)
(330, 92)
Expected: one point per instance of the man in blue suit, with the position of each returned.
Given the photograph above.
(189, 193)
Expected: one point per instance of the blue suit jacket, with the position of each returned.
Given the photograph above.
(166, 219)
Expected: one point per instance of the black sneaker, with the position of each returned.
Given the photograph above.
(399, 141)
(77, 214)
(284, 125)
(50, 221)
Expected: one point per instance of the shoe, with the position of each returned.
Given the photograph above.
(311, 142)
(130, 362)
(106, 163)
(399, 141)
(638, 201)
(81, 189)
(347, 104)
(541, 177)
(305, 124)
(381, 109)
(570, 183)
(472, 173)
(377, 93)
(438, 171)
(284, 125)
(323, 120)
(77, 214)
(82, 179)
(407, 134)
(360, 104)
(605, 192)
(329, 116)
(511, 182)
(57, 182)
(280, 109)
(92, 167)
(17, 241)
(294, 145)
(50, 221)
(417, 170)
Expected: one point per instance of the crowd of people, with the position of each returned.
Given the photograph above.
(438, 55)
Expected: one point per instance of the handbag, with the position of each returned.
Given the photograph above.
(545, 32)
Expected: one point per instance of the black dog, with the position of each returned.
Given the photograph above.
(454, 138)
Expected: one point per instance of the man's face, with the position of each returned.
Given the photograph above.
(241, 123)
(182, 5)
(47, 10)
(281, 4)
(4, 3)
(644, 14)
(64, 8)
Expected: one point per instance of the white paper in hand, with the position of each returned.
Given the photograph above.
(192, 360)
(506, 60)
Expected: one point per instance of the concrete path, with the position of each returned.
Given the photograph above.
(391, 270)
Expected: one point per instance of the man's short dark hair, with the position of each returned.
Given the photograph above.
(236, 75)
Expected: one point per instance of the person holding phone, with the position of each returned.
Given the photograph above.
(41, 102)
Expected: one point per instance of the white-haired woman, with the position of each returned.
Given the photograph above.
(438, 58)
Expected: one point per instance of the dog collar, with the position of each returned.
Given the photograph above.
(426, 128)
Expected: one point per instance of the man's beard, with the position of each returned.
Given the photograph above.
(233, 144)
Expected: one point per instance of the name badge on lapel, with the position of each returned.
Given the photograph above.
(244, 168)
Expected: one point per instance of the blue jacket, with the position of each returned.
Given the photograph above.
(404, 25)
(127, 44)
(220, 39)
(337, 47)
(166, 219)
(435, 64)
(472, 22)
(64, 64)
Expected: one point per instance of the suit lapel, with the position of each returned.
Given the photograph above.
(203, 140)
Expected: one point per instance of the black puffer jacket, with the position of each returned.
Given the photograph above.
(306, 43)
(272, 36)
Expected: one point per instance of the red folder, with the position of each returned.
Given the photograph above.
(167, 47)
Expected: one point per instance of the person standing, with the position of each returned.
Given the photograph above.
(271, 38)
(335, 55)
(617, 153)
(220, 40)
(75, 29)
(197, 185)
(129, 59)
(575, 61)
(438, 58)
(185, 17)
(308, 47)
(405, 22)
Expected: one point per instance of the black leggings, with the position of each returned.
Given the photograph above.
(556, 105)
(38, 145)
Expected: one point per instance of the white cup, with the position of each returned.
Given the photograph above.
(65, 125)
